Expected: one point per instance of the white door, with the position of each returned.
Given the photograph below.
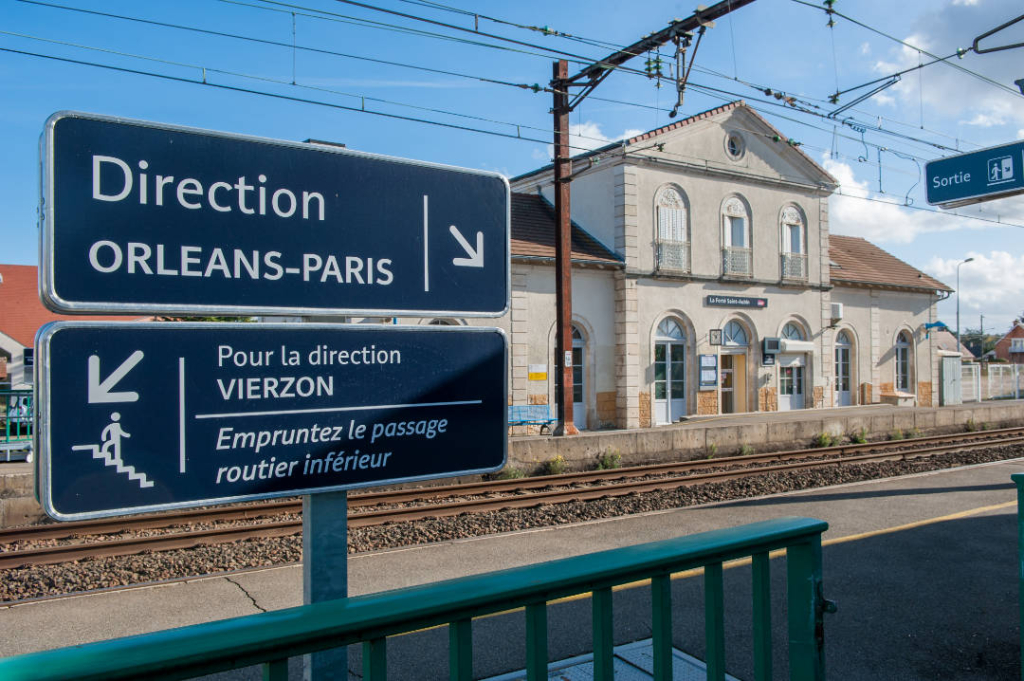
(791, 382)
(579, 392)
(579, 405)
(669, 381)
(843, 371)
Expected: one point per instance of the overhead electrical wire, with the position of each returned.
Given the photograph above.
(709, 90)
(533, 88)
(904, 43)
(324, 15)
(332, 105)
(289, 46)
(536, 88)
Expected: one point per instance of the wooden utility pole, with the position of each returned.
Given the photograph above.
(588, 79)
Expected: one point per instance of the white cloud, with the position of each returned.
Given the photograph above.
(1020, 134)
(856, 210)
(865, 48)
(984, 286)
(880, 220)
(942, 89)
(588, 136)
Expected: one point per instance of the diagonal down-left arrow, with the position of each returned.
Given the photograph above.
(100, 391)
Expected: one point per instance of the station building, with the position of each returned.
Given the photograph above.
(705, 281)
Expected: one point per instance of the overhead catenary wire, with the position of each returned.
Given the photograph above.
(501, 122)
(904, 43)
(621, 68)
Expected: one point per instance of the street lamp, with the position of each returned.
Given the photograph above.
(963, 262)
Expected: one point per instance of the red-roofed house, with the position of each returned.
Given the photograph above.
(1011, 346)
(21, 315)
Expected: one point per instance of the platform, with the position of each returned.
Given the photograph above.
(923, 569)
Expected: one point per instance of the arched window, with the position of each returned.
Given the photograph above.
(736, 255)
(903, 361)
(792, 331)
(794, 244)
(669, 329)
(734, 334)
(673, 231)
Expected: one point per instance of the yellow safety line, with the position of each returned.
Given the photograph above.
(742, 562)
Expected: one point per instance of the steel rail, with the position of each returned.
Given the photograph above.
(63, 553)
(425, 494)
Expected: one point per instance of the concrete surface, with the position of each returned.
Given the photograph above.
(923, 569)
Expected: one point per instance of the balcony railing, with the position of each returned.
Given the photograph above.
(673, 256)
(737, 262)
(794, 266)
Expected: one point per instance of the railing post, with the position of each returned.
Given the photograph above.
(762, 611)
(661, 626)
(806, 606)
(714, 621)
(375, 659)
(460, 650)
(1018, 479)
(604, 641)
(537, 642)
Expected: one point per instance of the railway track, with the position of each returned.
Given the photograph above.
(377, 508)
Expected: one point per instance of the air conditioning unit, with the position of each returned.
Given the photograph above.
(770, 346)
(837, 312)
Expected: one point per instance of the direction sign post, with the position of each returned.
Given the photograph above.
(979, 176)
(148, 416)
(143, 218)
(148, 218)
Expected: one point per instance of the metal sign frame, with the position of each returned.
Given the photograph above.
(45, 393)
(1015, 187)
(54, 300)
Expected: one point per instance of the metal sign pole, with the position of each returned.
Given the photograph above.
(325, 572)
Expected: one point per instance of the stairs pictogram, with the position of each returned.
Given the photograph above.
(111, 460)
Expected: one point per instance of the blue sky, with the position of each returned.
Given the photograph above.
(784, 45)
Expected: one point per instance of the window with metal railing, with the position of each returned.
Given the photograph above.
(737, 257)
(736, 262)
(794, 244)
(673, 246)
(794, 266)
(673, 256)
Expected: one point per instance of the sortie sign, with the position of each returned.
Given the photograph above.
(978, 176)
(144, 217)
(147, 416)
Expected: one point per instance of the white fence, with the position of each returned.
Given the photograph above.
(992, 382)
(970, 383)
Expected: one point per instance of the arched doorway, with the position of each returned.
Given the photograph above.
(733, 381)
(579, 393)
(792, 371)
(844, 350)
(669, 372)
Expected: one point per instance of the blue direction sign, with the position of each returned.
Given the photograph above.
(143, 217)
(982, 175)
(149, 416)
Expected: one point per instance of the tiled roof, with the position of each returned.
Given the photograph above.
(533, 233)
(859, 262)
(21, 312)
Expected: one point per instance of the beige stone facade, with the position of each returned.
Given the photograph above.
(718, 267)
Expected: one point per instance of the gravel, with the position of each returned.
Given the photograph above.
(101, 573)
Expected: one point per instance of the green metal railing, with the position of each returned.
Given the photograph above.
(273, 637)
(17, 417)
